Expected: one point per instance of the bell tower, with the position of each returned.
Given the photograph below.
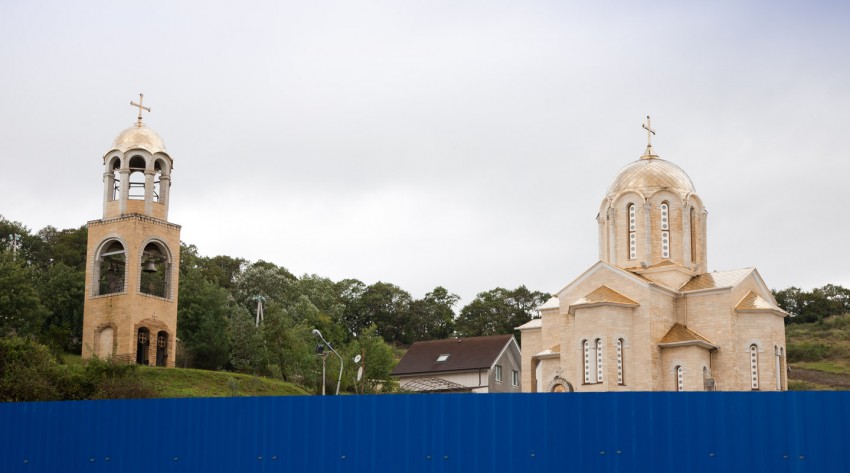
(133, 254)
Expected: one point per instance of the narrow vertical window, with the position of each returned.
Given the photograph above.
(754, 366)
(693, 236)
(585, 345)
(499, 373)
(514, 377)
(599, 360)
(782, 368)
(778, 377)
(665, 230)
(632, 235)
(620, 378)
(680, 378)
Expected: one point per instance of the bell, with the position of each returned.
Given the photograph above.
(150, 267)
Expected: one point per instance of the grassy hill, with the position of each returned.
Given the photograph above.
(819, 354)
(183, 382)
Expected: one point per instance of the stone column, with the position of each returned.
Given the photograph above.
(149, 175)
(125, 191)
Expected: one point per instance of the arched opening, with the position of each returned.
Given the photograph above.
(155, 270)
(585, 346)
(161, 348)
(632, 232)
(143, 342)
(680, 378)
(665, 230)
(105, 342)
(137, 178)
(110, 268)
(157, 191)
(114, 177)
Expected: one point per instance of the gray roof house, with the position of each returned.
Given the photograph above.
(475, 364)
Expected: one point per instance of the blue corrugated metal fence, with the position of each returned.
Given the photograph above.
(751, 432)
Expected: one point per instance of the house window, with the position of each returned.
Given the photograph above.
(498, 373)
(442, 358)
(598, 360)
(620, 379)
(754, 366)
(680, 378)
(515, 377)
(632, 235)
(585, 345)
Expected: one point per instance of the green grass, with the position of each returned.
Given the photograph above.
(820, 346)
(182, 382)
(797, 385)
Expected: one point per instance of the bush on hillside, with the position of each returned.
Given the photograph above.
(807, 351)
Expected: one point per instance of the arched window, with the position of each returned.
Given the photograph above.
(599, 371)
(155, 272)
(782, 369)
(621, 380)
(680, 378)
(632, 232)
(585, 346)
(693, 236)
(665, 230)
(754, 366)
(110, 269)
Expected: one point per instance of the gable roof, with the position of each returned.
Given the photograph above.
(603, 294)
(464, 354)
(679, 335)
(715, 280)
(752, 302)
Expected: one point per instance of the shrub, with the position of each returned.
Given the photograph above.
(807, 351)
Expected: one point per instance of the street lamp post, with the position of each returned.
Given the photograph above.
(318, 334)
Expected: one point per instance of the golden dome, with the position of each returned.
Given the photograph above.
(649, 175)
(139, 137)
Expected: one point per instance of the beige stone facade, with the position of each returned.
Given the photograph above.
(133, 256)
(647, 316)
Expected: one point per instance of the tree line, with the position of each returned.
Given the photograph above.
(42, 278)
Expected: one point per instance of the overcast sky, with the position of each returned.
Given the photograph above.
(466, 144)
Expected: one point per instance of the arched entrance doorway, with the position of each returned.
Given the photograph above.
(161, 348)
(143, 342)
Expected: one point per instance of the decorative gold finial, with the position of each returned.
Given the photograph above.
(141, 107)
(648, 154)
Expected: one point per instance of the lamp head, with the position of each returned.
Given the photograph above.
(317, 333)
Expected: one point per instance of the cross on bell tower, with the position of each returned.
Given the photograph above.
(141, 107)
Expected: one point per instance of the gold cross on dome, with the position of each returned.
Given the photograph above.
(646, 126)
(141, 107)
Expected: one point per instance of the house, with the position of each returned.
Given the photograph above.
(476, 364)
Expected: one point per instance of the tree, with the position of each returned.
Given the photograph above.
(388, 307)
(499, 311)
(377, 359)
(202, 314)
(814, 305)
(61, 289)
(432, 317)
(21, 310)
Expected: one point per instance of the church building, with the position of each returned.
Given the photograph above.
(133, 255)
(648, 316)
